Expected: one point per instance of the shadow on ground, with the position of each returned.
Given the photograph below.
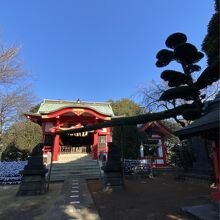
(28, 207)
(159, 198)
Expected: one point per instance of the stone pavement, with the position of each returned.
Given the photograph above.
(74, 202)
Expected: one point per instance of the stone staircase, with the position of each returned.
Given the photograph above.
(78, 165)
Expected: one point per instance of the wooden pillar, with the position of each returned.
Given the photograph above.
(164, 152)
(56, 147)
(108, 134)
(215, 155)
(43, 136)
(95, 145)
(122, 152)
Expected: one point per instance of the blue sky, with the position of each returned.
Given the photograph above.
(97, 50)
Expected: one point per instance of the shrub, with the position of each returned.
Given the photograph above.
(23, 136)
(12, 153)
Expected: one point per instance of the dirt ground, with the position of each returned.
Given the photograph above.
(28, 207)
(159, 198)
(154, 199)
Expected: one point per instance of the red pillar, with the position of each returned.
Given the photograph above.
(108, 134)
(95, 145)
(215, 155)
(43, 136)
(56, 147)
(164, 152)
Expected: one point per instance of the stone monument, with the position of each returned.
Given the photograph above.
(33, 180)
(113, 169)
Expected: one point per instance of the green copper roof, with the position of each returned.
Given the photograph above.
(48, 106)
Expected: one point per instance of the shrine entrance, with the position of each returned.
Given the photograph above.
(60, 115)
(76, 144)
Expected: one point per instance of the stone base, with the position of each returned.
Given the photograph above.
(206, 212)
(32, 185)
(114, 181)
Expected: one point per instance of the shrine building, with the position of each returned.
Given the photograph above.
(153, 135)
(63, 115)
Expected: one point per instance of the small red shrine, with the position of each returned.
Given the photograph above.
(153, 135)
(61, 115)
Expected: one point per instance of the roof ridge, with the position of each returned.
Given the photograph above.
(72, 101)
(50, 105)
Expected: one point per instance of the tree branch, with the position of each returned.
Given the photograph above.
(140, 119)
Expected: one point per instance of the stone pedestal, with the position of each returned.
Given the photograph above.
(113, 170)
(33, 180)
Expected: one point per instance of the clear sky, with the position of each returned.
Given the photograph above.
(97, 49)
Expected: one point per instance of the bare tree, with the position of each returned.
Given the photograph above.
(150, 95)
(10, 67)
(151, 91)
(12, 105)
(15, 91)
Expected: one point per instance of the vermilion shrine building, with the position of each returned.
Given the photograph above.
(73, 114)
(154, 135)
(63, 115)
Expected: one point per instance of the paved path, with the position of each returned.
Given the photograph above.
(74, 202)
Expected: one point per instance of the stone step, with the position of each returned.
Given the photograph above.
(75, 171)
(54, 178)
(75, 161)
(62, 178)
(73, 167)
(83, 176)
(74, 157)
(79, 166)
(75, 174)
(72, 174)
(75, 164)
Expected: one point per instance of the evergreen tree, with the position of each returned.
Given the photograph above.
(210, 44)
(21, 137)
(126, 107)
